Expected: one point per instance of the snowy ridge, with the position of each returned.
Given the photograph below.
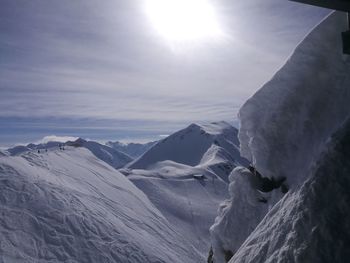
(311, 224)
(284, 128)
(107, 154)
(188, 146)
(70, 206)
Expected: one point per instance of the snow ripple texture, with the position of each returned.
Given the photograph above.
(69, 206)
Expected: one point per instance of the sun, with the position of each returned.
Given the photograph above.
(184, 20)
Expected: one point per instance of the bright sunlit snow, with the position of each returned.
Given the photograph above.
(184, 20)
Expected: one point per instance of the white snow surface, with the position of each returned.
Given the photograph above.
(311, 224)
(186, 177)
(285, 124)
(187, 196)
(69, 206)
(188, 146)
(107, 154)
(284, 129)
(238, 216)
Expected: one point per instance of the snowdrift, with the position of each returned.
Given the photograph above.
(284, 129)
(285, 124)
(311, 224)
(69, 206)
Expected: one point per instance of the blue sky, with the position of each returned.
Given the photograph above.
(100, 70)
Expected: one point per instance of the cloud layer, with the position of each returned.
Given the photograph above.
(68, 61)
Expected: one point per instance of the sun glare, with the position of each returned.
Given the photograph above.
(184, 20)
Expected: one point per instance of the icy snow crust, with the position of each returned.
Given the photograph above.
(311, 224)
(69, 206)
(285, 124)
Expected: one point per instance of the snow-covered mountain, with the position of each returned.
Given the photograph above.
(107, 154)
(134, 150)
(69, 206)
(185, 177)
(194, 145)
(284, 130)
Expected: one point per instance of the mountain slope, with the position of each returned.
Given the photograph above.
(107, 154)
(69, 206)
(188, 146)
(134, 150)
(111, 156)
(187, 196)
(185, 177)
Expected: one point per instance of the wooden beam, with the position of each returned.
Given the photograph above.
(340, 5)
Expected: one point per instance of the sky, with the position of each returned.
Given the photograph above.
(104, 70)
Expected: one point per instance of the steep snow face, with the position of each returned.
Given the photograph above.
(311, 224)
(189, 145)
(107, 154)
(285, 124)
(134, 150)
(69, 206)
(284, 127)
(238, 216)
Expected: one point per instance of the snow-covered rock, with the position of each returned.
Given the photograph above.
(311, 224)
(285, 124)
(134, 150)
(69, 206)
(107, 154)
(284, 127)
(238, 216)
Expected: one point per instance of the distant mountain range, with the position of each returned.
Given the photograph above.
(168, 195)
(134, 150)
